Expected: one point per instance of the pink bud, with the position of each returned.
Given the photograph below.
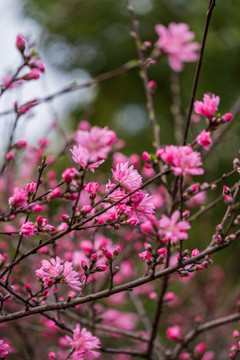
(195, 252)
(21, 144)
(228, 117)
(200, 349)
(86, 209)
(101, 268)
(145, 156)
(174, 333)
(34, 74)
(31, 187)
(21, 42)
(9, 155)
(236, 334)
(162, 251)
(132, 221)
(152, 295)
(108, 255)
(27, 287)
(52, 355)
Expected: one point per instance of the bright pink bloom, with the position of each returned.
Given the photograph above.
(127, 177)
(19, 197)
(3, 349)
(204, 139)
(141, 206)
(145, 156)
(21, 42)
(92, 188)
(31, 187)
(183, 159)
(84, 343)
(50, 270)
(174, 333)
(71, 276)
(98, 142)
(172, 230)
(82, 157)
(28, 229)
(9, 155)
(208, 106)
(175, 41)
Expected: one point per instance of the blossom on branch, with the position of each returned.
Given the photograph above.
(208, 106)
(183, 159)
(175, 41)
(172, 230)
(84, 344)
(127, 177)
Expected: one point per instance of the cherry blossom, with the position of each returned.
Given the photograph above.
(208, 106)
(175, 41)
(126, 176)
(172, 230)
(84, 344)
(183, 159)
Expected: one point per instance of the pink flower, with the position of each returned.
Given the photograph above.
(69, 174)
(183, 159)
(171, 229)
(141, 206)
(50, 270)
(127, 177)
(98, 142)
(84, 343)
(19, 197)
(208, 106)
(28, 229)
(3, 349)
(71, 276)
(204, 139)
(175, 41)
(31, 187)
(92, 188)
(82, 157)
(145, 255)
(174, 333)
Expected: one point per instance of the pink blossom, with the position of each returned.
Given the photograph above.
(209, 355)
(195, 252)
(82, 157)
(174, 333)
(183, 159)
(28, 229)
(98, 142)
(175, 41)
(69, 174)
(208, 106)
(4, 348)
(172, 230)
(31, 187)
(52, 355)
(204, 139)
(19, 197)
(50, 270)
(92, 188)
(147, 227)
(228, 116)
(145, 255)
(141, 206)
(127, 177)
(71, 276)
(37, 63)
(84, 343)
